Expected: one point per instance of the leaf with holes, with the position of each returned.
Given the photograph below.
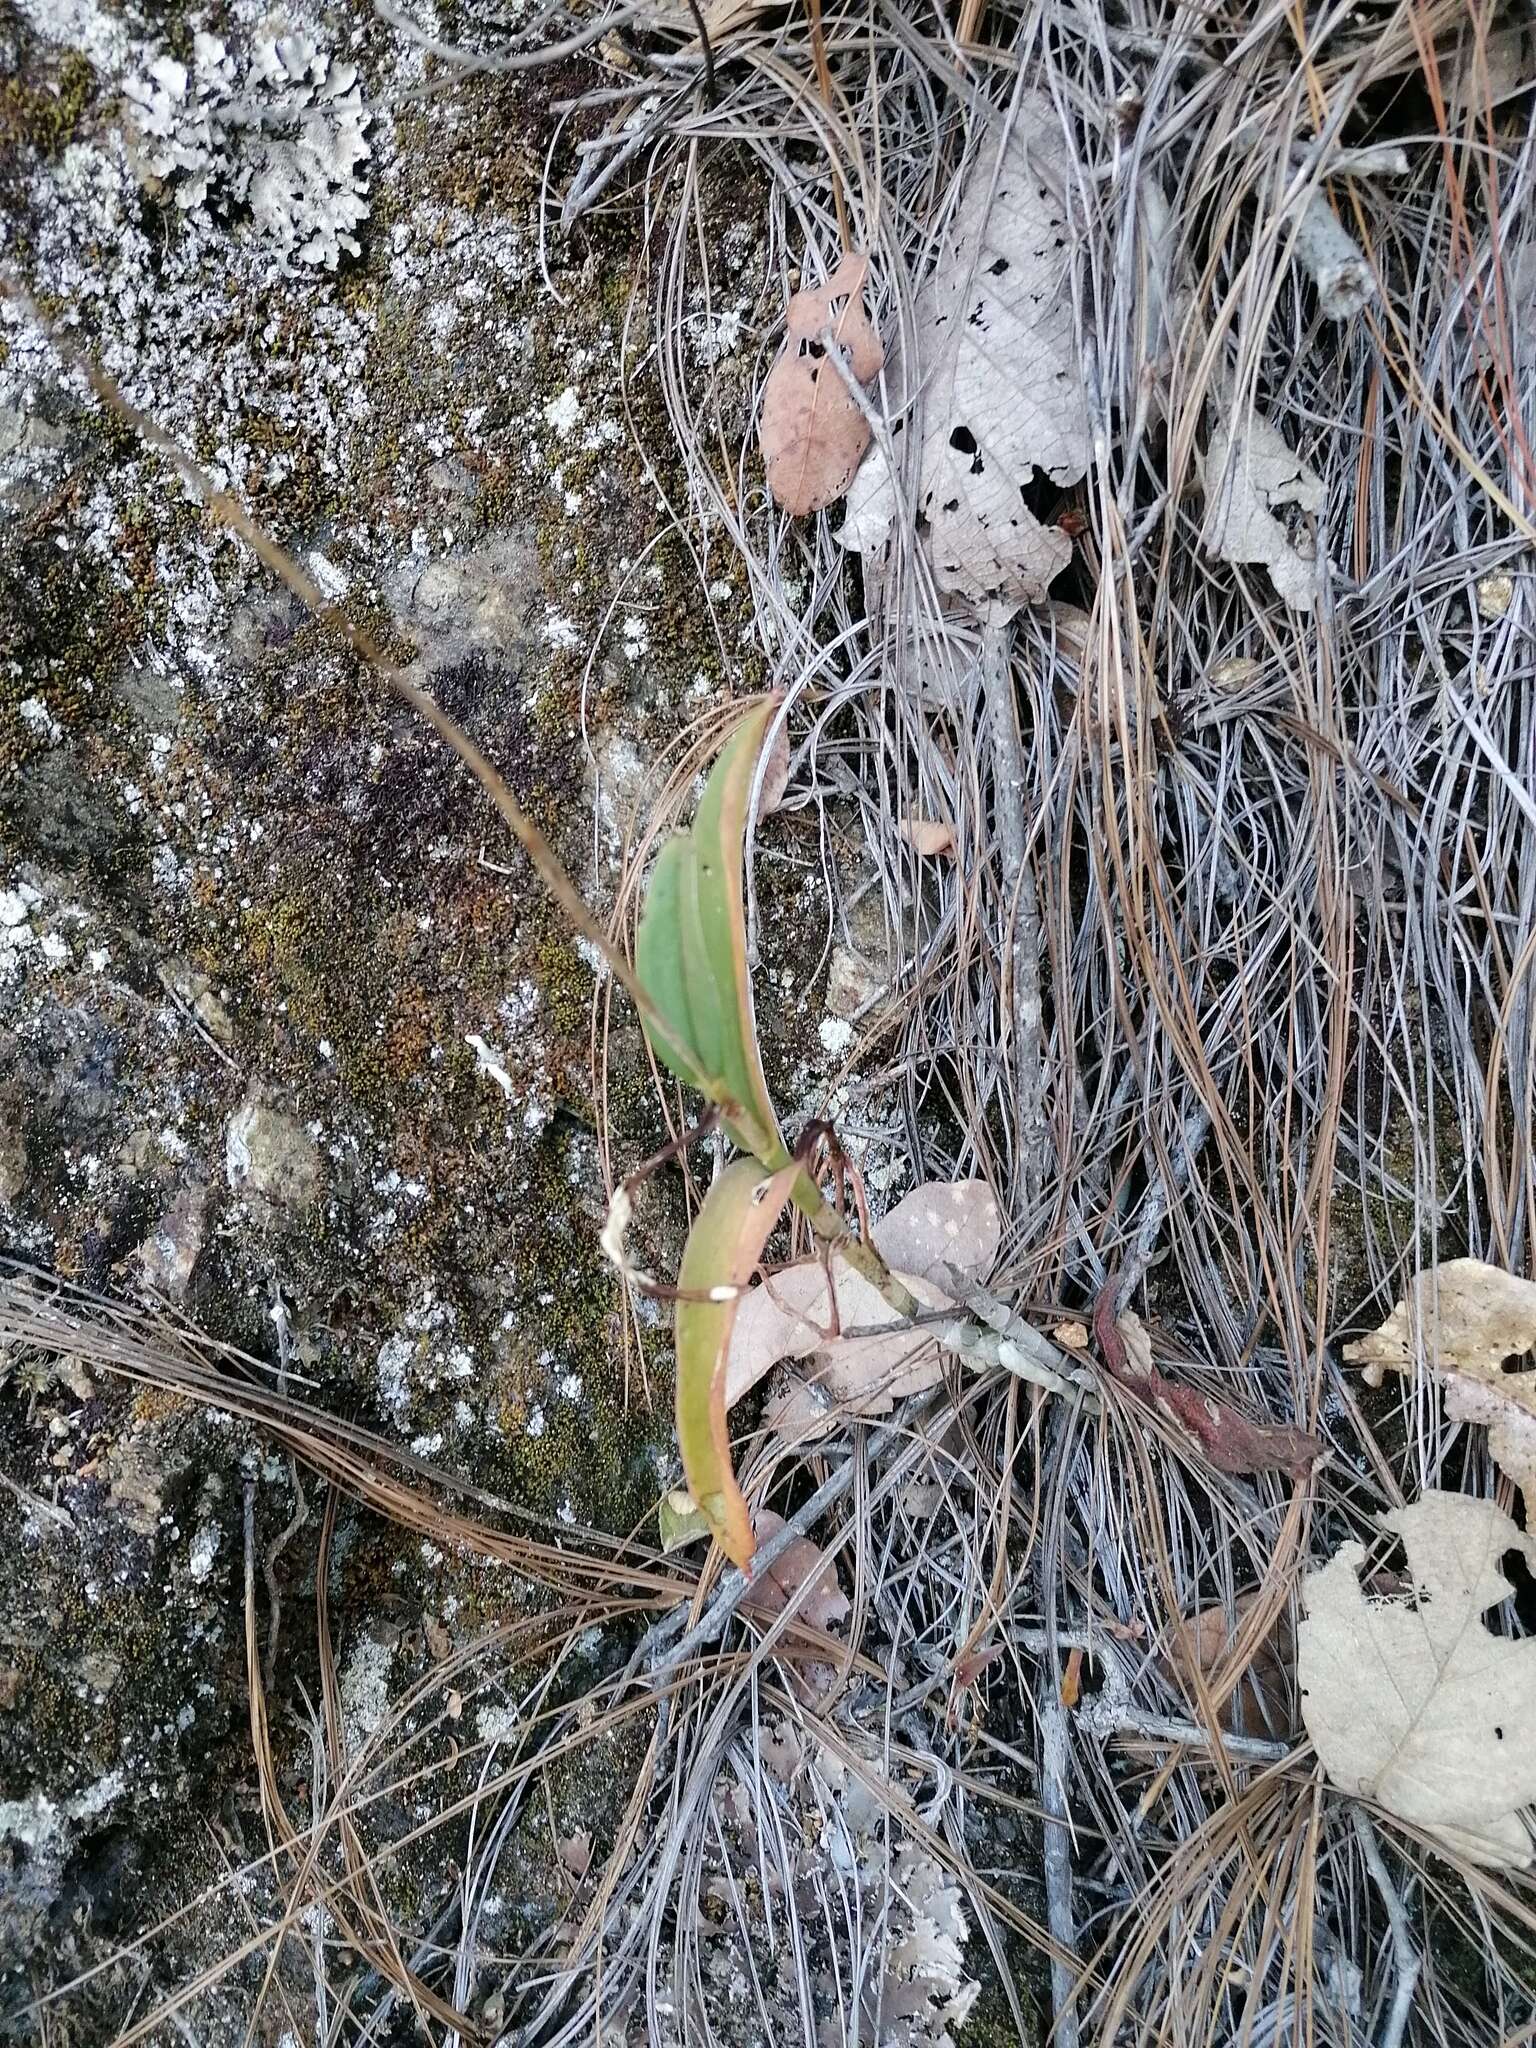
(1413, 1702)
(691, 950)
(813, 430)
(1476, 1325)
(997, 367)
(940, 1226)
(723, 1250)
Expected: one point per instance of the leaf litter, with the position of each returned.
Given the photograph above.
(813, 430)
(1477, 1326)
(792, 1315)
(996, 364)
(1410, 1700)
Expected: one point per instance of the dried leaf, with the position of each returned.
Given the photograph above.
(1071, 1336)
(812, 429)
(870, 510)
(997, 364)
(1223, 1434)
(1412, 1702)
(822, 1604)
(1471, 1319)
(1258, 1706)
(680, 1521)
(938, 1225)
(928, 836)
(1248, 474)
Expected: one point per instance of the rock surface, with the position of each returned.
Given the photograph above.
(289, 1044)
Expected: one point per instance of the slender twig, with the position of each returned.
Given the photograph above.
(1056, 1753)
(1021, 981)
(1406, 1956)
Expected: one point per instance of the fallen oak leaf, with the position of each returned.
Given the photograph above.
(1224, 1435)
(1413, 1702)
(1470, 1318)
(812, 429)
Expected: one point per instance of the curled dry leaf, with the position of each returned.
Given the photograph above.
(940, 1225)
(928, 836)
(1223, 1434)
(1412, 1702)
(813, 430)
(997, 365)
(1207, 1644)
(1473, 1321)
(1248, 476)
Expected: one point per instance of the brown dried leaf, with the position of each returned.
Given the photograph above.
(1414, 1702)
(939, 1225)
(813, 431)
(1224, 1435)
(1206, 1644)
(824, 1604)
(928, 836)
(1470, 1318)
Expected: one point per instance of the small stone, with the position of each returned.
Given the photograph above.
(851, 983)
(169, 1254)
(1495, 594)
(270, 1153)
(196, 991)
(99, 1670)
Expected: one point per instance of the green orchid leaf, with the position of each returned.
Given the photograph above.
(723, 1251)
(691, 951)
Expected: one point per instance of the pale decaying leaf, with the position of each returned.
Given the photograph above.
(1471, 1319)
(1411, 1701)
(927, 836)
(680, 1520)
(939, 1225)
(813, 430)
(1248, 476)
(997, 365)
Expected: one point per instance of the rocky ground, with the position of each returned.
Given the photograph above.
(288, 1041)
